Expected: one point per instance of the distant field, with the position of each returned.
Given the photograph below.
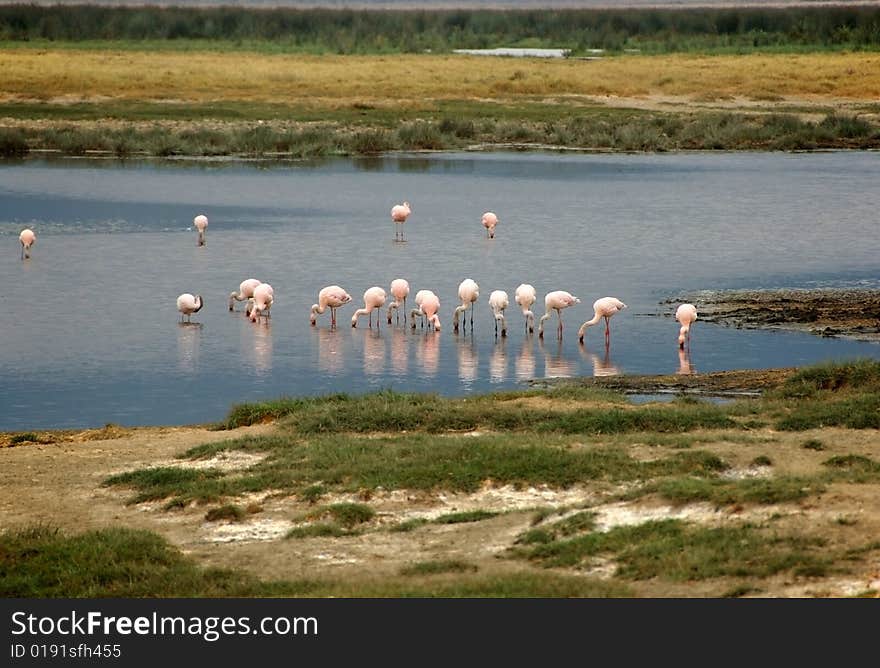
(413, 80)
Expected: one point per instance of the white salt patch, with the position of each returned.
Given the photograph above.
(336, 559)
(233, 460)
(751, 472)
(258, 530)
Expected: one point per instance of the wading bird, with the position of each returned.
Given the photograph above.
(399, 214)
(428, 308)
(399, 290)
(261, 302)
(27, 239)
(331, 297)
(498, 301)
(490, 220)
(556, 301)
(374, 299)
(686, 314)
(187, 305)
(245, 292)
(468, 293)
(602, 308)
(525, 296)
(201, 224)
(420, 296)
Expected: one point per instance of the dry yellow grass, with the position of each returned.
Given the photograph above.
(329, 81)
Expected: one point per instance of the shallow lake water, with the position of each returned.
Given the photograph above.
(90, 331)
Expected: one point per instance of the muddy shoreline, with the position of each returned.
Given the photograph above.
(844, 313)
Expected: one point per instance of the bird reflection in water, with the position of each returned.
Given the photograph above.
(330, 346)
(262, 347)
(602, 364)
(374, 352)
(399, 351)
(555, 365)
(684, 362)
(498, 362)
(467, 360)
(189, 335)
(524, 364)
(428, 352)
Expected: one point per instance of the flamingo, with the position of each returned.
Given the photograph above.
(27, 239)
(399, 214)
(498, 301)
(187, 305)
(420, 297)
(686, 314)
(374, 298)
(261, 302)
(399, 290)
(428, 307)
(490, 220)
(525, 296)
(201, 224)
(331, 297)
(468, 293)
(602, 308)
(556, 301)
(245, 292)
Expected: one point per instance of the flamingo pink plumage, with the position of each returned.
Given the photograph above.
(245, 291)
(331, 297)
(525, 296)
(399, 290)
(419, 298)
(498, 301)
(556, 301)
(605, 307)
(686, 314)
(468, 293)
(429, 307)
(490, 220)
(261, 302)
(187, 304)
(27, 239)
(374, 299)
(201, 224)
(399, 214)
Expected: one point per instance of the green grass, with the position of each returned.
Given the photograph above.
(228, 511)
(417, 461)
(721, 492)
(467, 516)
(852, 468)
(365, 130)
(25, 437)
(320, 530)
(390, 411)
(40, 562)
(437, 566)
(673, 550)
(350, 514)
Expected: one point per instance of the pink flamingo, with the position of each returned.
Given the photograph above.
(420, 297)
(201, 224)
(429, 306)
(399, 214)
(686, 314)
(556, 301)
(245, 292)
(498, 301)
(605, 307)
(374, 299)
(490, 220)
(261, 302)
(468, 293)
(187, 305)
(525, 296)
(27, 239)
(331, 297)
(399, 290)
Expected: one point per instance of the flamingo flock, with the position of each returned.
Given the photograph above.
(259, 297)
